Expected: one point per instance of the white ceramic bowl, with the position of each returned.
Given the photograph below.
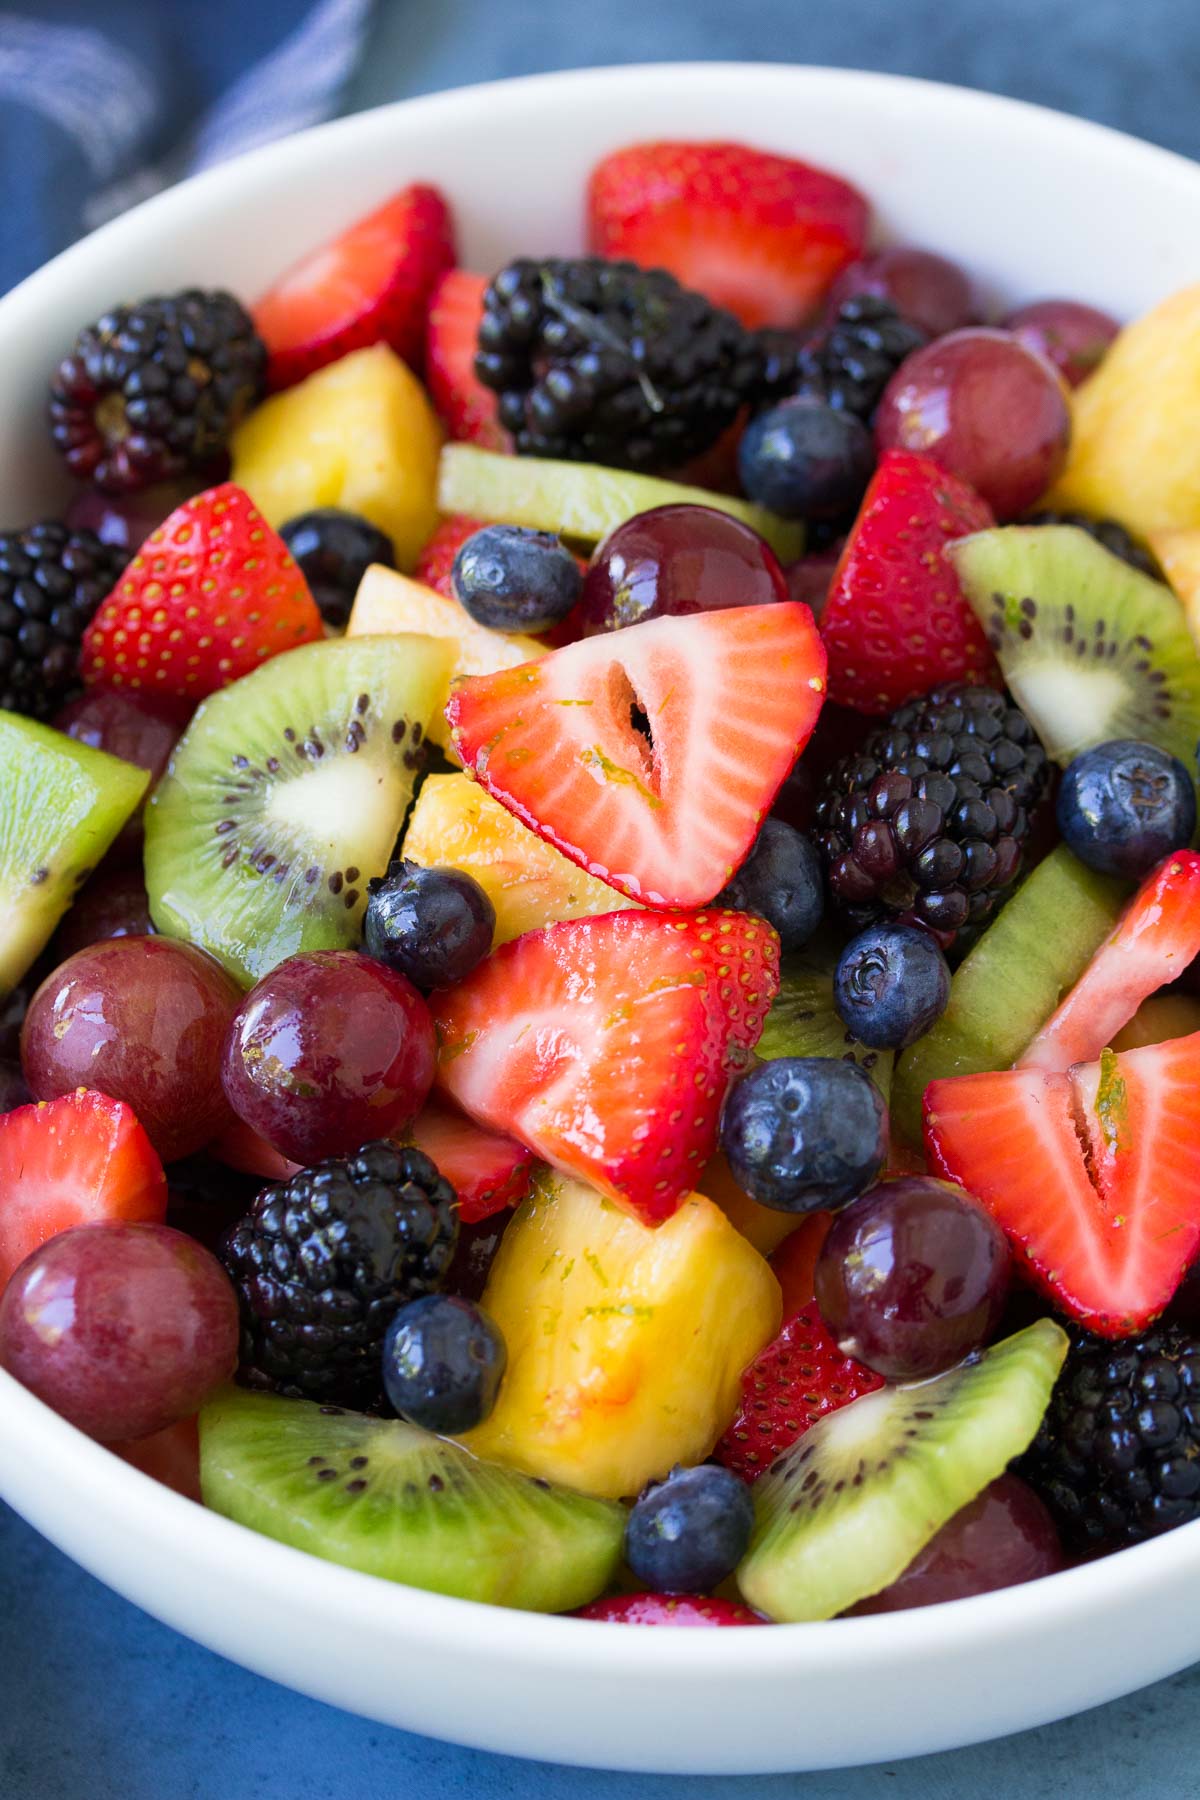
(1034, 204)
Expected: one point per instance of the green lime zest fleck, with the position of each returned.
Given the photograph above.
(594, 1264)
(1112, 1104)
(594, 758)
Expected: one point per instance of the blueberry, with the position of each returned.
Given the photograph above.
(1125, 805)
(781, 881)
(805, 460)
(443, 1362)
(516, 580)
(433, 925)
(687, 1533)
(805, 1133)
(334, 550)
(891, 984)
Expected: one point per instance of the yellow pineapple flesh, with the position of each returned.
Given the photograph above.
(626, 1343)
(765, 1226)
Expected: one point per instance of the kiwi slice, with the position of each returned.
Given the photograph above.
(1091, 648)
(843, 1513)
(285, 796)
(1034, 950)
(63, 806)
(804, 1022)
(383, 1497)
(583, 500)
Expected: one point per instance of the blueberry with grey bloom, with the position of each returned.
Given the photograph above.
(443, 1362)
(511, 579)
(1125, 805)
(687, 1533)
(805, 1133)
(782, 882)
(891, 984)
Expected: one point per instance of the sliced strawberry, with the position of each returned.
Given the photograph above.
(664, 815)
(487, 1170)
(796, 1259)
(1094, 1173)
(435, 564)
(467, 409)
(791, 1384)
(211, 594)
(606, 1044)
(1152, 943)
(69, 1162)
(668, 1609)
(763, 235)
(896, 621)
(370, 285)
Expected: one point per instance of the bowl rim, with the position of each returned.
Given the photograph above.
(165, 1522)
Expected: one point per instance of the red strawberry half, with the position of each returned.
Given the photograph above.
(212, 593)
(370, 285)
(1150, 945)
(763, 235)
(789, 1386)
(1093, 1173)
(796, 1259)
(69, 1162)
(668, 1609)
(435, 565)
(896, 622)
(487, 1170)
(664, 814)
(467, 409)
(606, 1044)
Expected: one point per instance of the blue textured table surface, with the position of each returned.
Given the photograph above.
(98, 1702)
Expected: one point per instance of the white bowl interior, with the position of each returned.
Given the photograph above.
(1026, 199)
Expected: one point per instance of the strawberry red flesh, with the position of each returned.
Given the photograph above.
(606, 1044)
(896, 622)
(467, 409)
(488, 1170)
(435, 564)
(668, 1609)
(664, 814)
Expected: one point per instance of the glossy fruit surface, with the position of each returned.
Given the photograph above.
(1003, 1537)
(928, 290)
(686, 1534)
(432, 925)
(443, 1362)
(1124, 805)
(123, 1329)
(912, 1277)
(780, 881)
(512, 579)
(328, 1051)
(805, 1133)
(806, 460)
(677, 560)
(142, 1019)
(333, 550)
(891, 984)
(986, 407)
(1072, 336)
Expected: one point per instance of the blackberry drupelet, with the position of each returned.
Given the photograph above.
(605, 362)
(153, 391)
(849, 365)
(925, 823)
(322, 1263)
(52, 580)
(1117, 1458)
(1108, 534)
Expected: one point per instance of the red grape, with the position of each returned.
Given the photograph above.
(931, 293)
(114, 904)
(144, 1020)
(987, 408)
(1072, 336)
(808, 580)
(676, 559)
(123, 1329)
(329, 1051)
(1003, 1537)
(912, 1277)
(127, 520)
(130, 729)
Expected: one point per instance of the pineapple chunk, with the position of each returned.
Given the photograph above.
(359, 434)
(765, 1226)
(456, 824)
(387, 602)
(626, 1343)
(1178, 551)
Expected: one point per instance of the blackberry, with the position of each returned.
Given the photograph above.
(153, 391)
(322, 1262)
(925, 823)
(1117, 1458)
(849, 365)
(1108, 534)
(52, 580)
(598, 361)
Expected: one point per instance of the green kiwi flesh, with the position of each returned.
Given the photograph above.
(843, 1513)
(63, 805)
(381, 1496)
(1091, 649)
(803, 1021)
(285, 796)
(1005, 989)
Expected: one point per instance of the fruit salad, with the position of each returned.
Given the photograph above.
(600, 959)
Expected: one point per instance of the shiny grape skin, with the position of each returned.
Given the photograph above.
(330, 1050)
(114, 904)
(913, 1276)
(675, 560)
(1072, 336)
(131, 729)
(985, 407)
(926, 289)
(144, 1019)
(127, 520)
(122, 1329)
(1003, 1537)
